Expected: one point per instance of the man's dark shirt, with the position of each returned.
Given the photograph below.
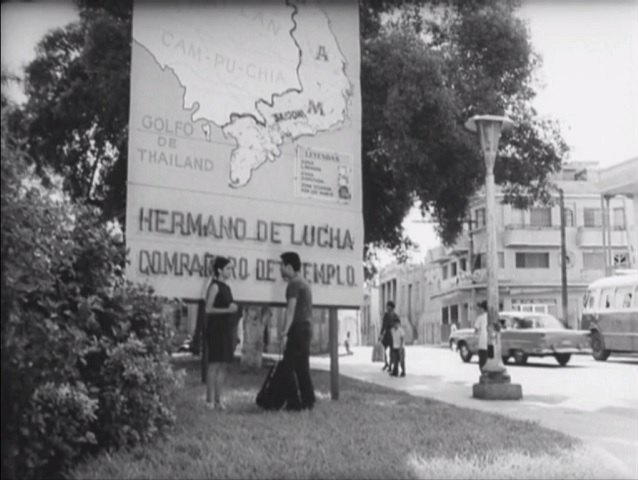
(298, 288)
(388, 320)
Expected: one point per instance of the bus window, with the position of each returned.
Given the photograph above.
(607, 297)
(590, 299)
(623, 297)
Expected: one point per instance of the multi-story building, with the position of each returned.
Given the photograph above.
(370, 323)
(404, 285)
(451, 280)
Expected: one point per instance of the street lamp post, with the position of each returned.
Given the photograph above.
(494, 382)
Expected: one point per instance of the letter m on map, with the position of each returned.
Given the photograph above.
(315, 108)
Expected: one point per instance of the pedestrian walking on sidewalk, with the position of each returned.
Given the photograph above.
(397, 355)
(296, 335)
(385, 337)
(221, 315)
(346, 344)
(481, 328)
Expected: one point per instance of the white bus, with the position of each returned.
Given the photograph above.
(611, 315)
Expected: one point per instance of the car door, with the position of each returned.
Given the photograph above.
(518, 335)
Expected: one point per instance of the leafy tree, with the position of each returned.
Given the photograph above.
(427, 66)
(84, 353)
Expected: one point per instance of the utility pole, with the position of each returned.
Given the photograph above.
(470, 259)
(563, 256)
(605, 225)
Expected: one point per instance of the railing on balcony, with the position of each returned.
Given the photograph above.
(528, 235)
(593, 237)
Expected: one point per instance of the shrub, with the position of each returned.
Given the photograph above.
(55, 428)
(84, 352)
(132, 392)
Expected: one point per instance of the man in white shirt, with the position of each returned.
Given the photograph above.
(481, 327)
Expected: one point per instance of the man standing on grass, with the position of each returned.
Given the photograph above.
(296, 335)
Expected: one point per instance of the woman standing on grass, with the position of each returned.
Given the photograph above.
(220, 335)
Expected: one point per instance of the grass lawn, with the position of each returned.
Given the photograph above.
(371, 432)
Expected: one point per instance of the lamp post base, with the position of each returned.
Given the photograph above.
(496, 386)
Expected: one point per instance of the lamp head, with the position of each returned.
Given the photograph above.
(489, 128)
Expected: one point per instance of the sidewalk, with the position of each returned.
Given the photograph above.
(438, 374)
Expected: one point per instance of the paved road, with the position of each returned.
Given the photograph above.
(594, 401)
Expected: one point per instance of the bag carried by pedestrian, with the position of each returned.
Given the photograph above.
(272, 395)
(377, 352)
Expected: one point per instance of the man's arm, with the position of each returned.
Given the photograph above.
(290, 313)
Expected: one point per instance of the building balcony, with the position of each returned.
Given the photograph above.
(466, 279)
(528, 236)
(593, 237)
(461, 246)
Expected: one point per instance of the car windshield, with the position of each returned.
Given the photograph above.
(538, 321)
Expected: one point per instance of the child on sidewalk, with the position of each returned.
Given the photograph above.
(397, 356)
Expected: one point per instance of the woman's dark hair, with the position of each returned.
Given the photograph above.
(390, 304)
(218, 264)
(292, 259)
(482, 304)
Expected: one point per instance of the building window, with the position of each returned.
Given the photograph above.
(479, 261)
(518, 216)
(620, 260)
(463, 265)
(540, 217)
(479, 218)
(593, 261)
(619, 218)
(593, 217)
(444, 273)
(569, 217)
(453, 269)
(532, 260)
(501, 259)
(454, 313)
(444, 315)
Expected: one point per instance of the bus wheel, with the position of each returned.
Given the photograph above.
(598, 347)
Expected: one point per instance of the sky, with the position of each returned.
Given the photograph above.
(588, 79)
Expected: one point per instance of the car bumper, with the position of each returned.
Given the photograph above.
(555, 350)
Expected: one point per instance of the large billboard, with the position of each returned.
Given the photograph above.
(245, 141)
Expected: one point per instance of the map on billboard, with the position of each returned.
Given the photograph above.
(245, 142)
(289, 81)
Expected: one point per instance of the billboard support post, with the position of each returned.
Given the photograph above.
(333, 334)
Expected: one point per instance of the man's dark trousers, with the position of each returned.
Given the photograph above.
(300, 392)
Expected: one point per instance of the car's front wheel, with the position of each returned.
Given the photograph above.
(598, 347)
(563, 358)
(464, 352)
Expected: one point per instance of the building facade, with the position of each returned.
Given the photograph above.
(452, 280)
